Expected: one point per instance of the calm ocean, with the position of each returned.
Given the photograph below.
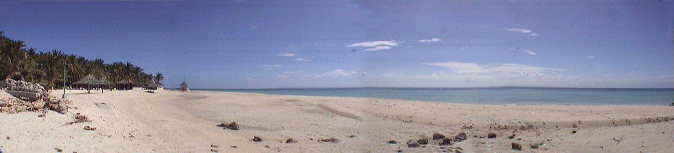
(492, 96)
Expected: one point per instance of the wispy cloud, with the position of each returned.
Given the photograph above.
(375, 45)
(589, 57)
(299, 59)
(286, 55)
(249, 79)
(339, 73)
(287, 74)
(430, 40)
(548, 79)
(525, 51)
(378, 48)
(499, 69)
(529, 52)
(523, 31)
(467, 74)
(271, 67)
(520, 30)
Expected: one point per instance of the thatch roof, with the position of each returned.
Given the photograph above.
(88, 80)
(103, 81)
(125, 81)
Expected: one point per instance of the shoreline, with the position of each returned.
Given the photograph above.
(172, 121)
(447, 102)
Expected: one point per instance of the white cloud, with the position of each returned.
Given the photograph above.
(298, 59)
(336, 73)
(286, 55)
(302, 60)
(459, 67)
(500, 69)
(377, 48)
(525, 51)
(523, 31)
(466, 74)
(529, 52)
(589, 57)
(287, 74)
(375, 45)
(271, 67)
(430, 40)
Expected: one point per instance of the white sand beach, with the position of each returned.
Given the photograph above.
(171, 121)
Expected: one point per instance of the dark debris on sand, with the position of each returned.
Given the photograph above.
(79, 118)
(460, 137)
(412, 144)
(446, 141)
(331, 140)
(491, 135)
(257, 139)
(437, 136)
(231, 126)
(511, 136)
(516, 146)
(88, 128)
(423, 141)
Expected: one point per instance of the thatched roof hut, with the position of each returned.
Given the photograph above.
(104, 82)
(125, 81)
(88, 81)
(125, 84)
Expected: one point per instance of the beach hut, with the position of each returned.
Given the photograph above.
(184, 87)
(87, 81)
(104, 84)
(125, 84)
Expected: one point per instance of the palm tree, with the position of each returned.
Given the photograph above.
(159, 79)
(12, 54)
(46, 68)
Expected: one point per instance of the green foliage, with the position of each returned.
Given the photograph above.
(46, 68)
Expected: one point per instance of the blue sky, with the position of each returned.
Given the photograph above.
(342, 43)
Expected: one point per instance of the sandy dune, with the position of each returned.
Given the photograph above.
(169, 121)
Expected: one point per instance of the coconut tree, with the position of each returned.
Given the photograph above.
(159, 78)
(11, 55)
(47, 68)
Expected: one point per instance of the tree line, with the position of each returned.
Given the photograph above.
(46, 68)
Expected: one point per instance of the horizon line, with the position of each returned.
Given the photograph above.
(490, 87)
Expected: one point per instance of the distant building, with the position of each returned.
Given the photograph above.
(184, 87)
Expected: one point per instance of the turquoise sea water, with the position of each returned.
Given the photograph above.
(492, 96)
